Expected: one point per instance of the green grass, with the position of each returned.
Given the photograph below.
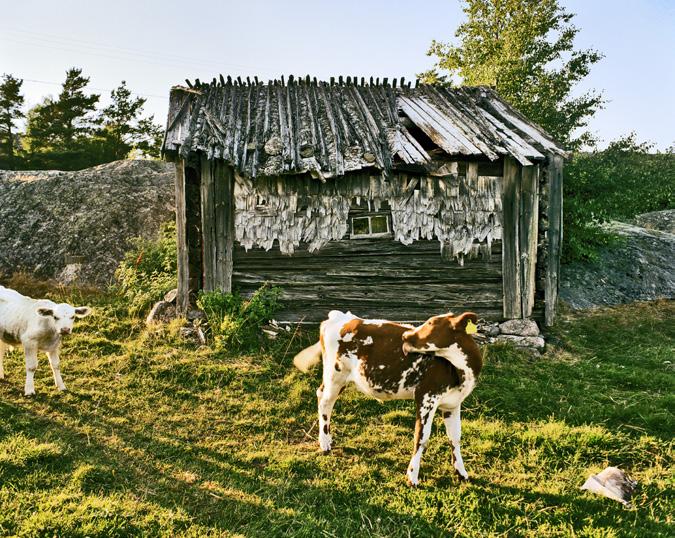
(157, 437)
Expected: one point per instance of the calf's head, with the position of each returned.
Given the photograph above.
(62, 316)
(440, 332)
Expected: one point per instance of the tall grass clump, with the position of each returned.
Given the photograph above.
(148, 270)
(234, 321)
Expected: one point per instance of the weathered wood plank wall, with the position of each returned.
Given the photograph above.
(528, 236)
(554, 211)
(510, 232)
(373, 278)
(183, 297)
(217, 212)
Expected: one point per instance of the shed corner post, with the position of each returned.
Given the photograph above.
(528, 230)
(510, 239)
(554, 232)
(183, 296)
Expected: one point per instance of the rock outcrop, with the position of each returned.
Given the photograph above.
(641, 267)
(76, 226)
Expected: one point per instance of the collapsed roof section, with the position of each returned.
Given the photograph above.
(330, 128)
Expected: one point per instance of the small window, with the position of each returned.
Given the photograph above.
(370, 226)
(361, 226)
(379, 224)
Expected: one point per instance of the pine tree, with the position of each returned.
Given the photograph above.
(59, 131)
(11, 102)
(525, 50)
(122, 128)
(74, 107)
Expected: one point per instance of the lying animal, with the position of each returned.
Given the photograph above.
(38, 325)
(390, 361)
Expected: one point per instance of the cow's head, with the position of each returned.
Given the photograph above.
(440, 332)
(62, 316)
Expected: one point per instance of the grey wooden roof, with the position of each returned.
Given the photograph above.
(329, 128)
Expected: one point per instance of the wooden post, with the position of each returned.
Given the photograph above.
(510, 243)
(224, 225)
(529, 226)
(555, 208)
(208, 224)
(183, 297)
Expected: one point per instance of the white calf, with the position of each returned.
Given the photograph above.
(37, 325)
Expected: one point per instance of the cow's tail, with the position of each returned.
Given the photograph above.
(308, 357)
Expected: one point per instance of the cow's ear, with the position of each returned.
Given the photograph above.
(46, 312)
(82, 311)
(467, 322)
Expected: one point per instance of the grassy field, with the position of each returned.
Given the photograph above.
(157, 437)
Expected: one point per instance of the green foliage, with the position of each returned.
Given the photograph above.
(148, 270)
(525, 50)
(122, 128)
(11, 102)
(235, 322)
(620, 182)
(67, 132)
(59, 130)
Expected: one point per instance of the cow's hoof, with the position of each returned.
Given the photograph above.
(462, 477)
(411, 483)
(61, 389)
(325, 452)
(29, 394)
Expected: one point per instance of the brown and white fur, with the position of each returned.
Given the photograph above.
(436, 364)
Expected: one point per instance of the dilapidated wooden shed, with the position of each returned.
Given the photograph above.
(371, 196)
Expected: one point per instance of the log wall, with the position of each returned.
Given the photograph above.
(376, 278)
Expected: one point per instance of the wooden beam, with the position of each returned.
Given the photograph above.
(183, 297)
(224, 225)
(529, 226)
(555, 208)
(510, 232)
(208, 224)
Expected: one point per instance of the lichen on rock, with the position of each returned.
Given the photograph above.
(51, 221)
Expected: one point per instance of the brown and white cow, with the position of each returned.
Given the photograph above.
(436, 364)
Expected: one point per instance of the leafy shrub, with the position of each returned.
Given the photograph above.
(148, 270)
(619, 182)
(235, 321)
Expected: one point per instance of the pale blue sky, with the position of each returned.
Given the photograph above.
(154, 44)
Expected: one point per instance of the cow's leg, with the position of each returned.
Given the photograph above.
(3, 348)
(327, 394)
(55, 363)
(31, 351)
(426, 409)
(454, 428)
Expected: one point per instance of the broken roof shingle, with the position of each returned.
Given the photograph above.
(328, 129)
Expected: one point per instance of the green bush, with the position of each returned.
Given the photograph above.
(234, 321)
(619, 182)
(148, 270)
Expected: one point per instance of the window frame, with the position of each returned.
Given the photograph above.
(370, 234)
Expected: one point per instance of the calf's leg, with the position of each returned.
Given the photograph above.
(426, 409)
(454, 428)
(327, 395)
(55, 363)
(31, 351)
(3, 348)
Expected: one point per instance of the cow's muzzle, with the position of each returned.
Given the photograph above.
(66, 330)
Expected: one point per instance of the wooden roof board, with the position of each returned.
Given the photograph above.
(329, 129)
